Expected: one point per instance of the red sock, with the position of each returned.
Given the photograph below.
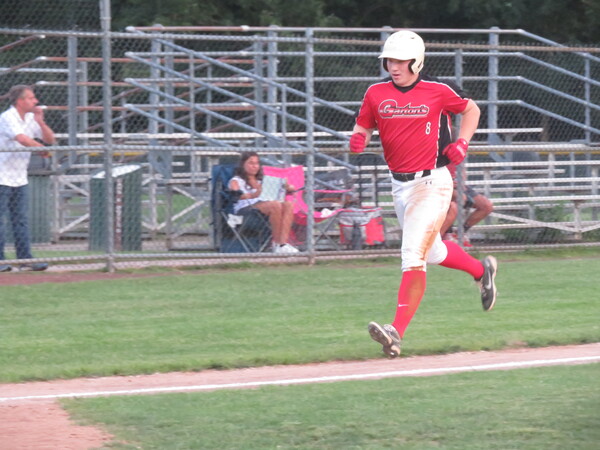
(412, 288)
(459, 259)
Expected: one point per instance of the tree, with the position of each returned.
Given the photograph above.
(564, 21)
(220, 13)
(50, 14)
(559, 20)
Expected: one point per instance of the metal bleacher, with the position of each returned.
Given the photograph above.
(190, 97)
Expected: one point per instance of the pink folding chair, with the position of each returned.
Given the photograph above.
(323, 219)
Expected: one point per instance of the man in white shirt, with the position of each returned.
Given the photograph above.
(21, 126)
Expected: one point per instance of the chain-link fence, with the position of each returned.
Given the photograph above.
(184, 103)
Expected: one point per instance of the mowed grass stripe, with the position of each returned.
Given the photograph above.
(282, 315)
(550, 407)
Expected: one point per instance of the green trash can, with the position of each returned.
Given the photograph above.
(127, 203)
(40, 208)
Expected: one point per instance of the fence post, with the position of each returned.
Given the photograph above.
(461, 169)
(383, 36)
(195, 159)
(72, 92)
(588, 100)
(169, 113)
(259, 113)
(84, 100)
(107, 128)
(284, 119)
(494, 40)
(310, 155)
(272, 48)
(594, 174)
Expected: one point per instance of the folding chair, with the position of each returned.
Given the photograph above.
(361, 227)
(234, 233)
(362, 224)
(324, 219)
(369, 184)
(336, 188)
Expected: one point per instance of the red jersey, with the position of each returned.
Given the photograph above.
(413, 121)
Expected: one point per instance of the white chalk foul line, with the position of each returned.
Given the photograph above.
(364, 376)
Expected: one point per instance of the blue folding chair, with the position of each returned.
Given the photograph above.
(249, 232)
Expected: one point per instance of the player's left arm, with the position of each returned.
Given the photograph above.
(469, 121)
(457, 151)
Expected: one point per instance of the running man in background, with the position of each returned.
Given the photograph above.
(411, 112)
(480, 205)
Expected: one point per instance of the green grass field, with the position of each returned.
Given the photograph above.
(298, 314)
(549, 408)
(281, 315)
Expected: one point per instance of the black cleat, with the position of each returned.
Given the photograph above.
(36, 267)
(487, 284)
(387, 336)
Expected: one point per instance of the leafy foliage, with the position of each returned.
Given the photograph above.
(563, 21)
(560, 20)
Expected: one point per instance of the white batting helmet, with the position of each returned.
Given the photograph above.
(404, 45)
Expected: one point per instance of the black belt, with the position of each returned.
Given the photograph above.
(404, 177)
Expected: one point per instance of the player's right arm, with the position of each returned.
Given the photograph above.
(361, 134)
(367, 131)
(360, 138)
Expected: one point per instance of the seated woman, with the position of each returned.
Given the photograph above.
(248, 179)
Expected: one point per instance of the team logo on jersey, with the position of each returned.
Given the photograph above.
(388, 109)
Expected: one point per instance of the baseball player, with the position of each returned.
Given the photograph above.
(411, 112)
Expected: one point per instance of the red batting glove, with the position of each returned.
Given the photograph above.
(358, 142)
(456, 151)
